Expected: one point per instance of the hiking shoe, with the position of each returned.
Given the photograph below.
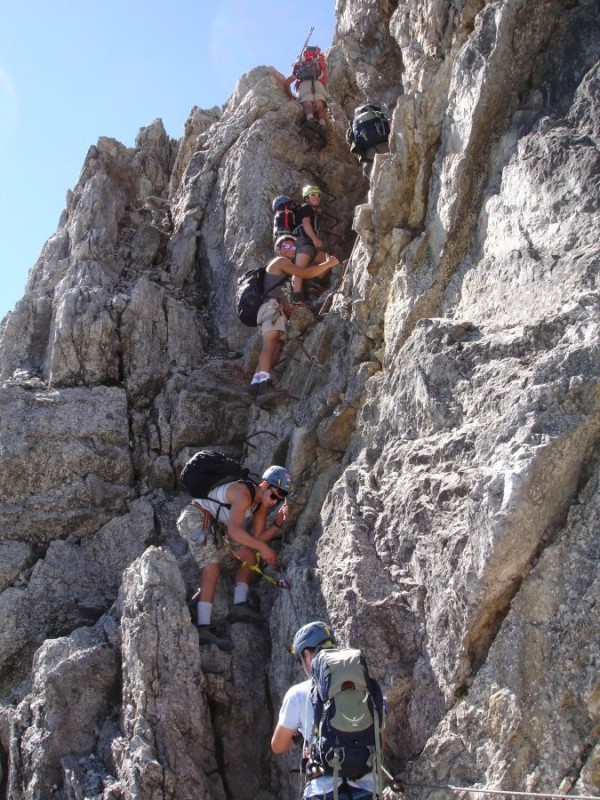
(297, 300)
(241, 612)
(267, 392)
(253, 391)
(207, 635)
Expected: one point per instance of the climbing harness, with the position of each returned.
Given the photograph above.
(557, 796)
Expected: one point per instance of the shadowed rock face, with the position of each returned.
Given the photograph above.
(442, 428)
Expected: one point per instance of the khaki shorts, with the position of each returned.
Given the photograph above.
(311, 90)
(206, 540)
(270, 318)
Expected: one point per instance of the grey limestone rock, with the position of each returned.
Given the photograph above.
(440, 416)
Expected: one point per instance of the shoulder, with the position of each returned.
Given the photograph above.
(300, 689)
(238, 494)
(277, 265)
(295, 699)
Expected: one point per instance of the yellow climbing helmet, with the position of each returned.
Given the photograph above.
(308, 190)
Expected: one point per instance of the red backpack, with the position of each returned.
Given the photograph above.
(311, 66)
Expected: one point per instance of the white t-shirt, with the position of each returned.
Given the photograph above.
(296, 713)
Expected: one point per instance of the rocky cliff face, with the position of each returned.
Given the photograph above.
(443, 428)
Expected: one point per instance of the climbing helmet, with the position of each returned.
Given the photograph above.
(280, 201)
(308, 190)
(312, 635)
(279, 478)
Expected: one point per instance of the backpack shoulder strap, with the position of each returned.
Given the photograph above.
(251, 486)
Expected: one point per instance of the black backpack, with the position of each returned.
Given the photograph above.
(250, 294)
(208, 468)
(347, 716)
(285, 218)
(369, 127)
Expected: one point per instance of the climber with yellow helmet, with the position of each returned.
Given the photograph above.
(309, 247)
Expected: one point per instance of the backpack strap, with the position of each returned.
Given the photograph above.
(249, 484)
(336, 763)
(377, 766)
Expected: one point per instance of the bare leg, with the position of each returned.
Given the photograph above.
(308, 109)
(271, 351)
(209, 576)
(302, 260)
(321, 110)
(244, 574)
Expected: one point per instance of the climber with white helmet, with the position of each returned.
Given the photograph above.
(272, 314)
(214, 528)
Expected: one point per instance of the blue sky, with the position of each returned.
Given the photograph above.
(72, 71)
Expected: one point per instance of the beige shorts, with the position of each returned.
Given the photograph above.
(311, 90)
(270, 317)
(207, 543)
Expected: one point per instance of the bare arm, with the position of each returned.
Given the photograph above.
(284, 265)
(282, 739)
(259, 523)
(239, 497)
(311, 233)
(287, 85)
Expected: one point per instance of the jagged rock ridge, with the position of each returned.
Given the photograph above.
(444, 442)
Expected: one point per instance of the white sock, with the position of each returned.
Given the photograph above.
(259, 377)
(309, 116)
(204, 613)
(321, 122)
(240, 593)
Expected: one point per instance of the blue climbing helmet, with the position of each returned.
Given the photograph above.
(278, 477)
(314, 634)
(281, 201)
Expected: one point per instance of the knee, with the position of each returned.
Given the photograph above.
(247, 555)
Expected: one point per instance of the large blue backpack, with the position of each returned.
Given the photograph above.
(348, 716)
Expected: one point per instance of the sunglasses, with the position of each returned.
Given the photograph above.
(288, 246)
(276, 495)
(315, 194)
